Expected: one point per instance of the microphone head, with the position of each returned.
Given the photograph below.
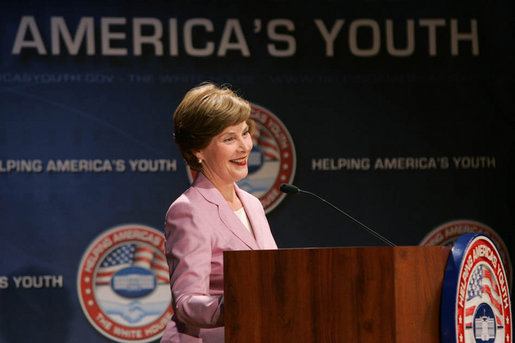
(287, 188)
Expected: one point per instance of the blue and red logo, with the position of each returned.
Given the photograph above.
(123, 284)
(447, 233)
(476, 304)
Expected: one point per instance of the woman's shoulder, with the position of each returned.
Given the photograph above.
(186, 200)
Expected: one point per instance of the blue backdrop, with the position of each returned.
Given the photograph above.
(399, 113)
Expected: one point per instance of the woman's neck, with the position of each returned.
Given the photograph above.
(228, 192)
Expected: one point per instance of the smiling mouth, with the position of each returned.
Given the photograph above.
(240, 162)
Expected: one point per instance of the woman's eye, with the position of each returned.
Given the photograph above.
(228, 139)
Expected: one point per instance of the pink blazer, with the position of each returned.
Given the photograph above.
(199, 226)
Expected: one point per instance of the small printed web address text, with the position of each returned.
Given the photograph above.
(403, 163)
(88, 166)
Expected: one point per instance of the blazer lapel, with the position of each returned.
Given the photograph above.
(227, 216)
(253, 215)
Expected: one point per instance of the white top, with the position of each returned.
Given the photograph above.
(244, 219)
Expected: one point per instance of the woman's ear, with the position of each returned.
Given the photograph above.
(198, 154)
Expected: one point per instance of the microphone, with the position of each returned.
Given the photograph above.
(287, 188)
(290, 189)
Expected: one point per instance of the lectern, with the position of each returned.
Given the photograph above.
(362, 295)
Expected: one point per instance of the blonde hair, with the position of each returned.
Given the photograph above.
(205, 111)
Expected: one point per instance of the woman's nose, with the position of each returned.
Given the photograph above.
(246, 143)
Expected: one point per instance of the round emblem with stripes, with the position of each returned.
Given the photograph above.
(448, 232)
(123, 284)
(476, 305)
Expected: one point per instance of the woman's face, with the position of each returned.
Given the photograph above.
(224, 160)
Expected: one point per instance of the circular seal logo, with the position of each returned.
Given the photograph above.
(271, 162)
(448, 233)
(476, 305)
(123, 284)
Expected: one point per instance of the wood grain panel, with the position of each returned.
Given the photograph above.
(334, 294)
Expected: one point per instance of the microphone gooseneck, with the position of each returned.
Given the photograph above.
(289, 188)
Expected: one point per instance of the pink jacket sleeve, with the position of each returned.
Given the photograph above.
(188, 250)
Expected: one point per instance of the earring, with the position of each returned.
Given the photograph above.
(199, 161)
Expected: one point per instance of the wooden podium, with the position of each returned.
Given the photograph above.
(366, 294)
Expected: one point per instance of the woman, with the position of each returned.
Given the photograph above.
(213, 131)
